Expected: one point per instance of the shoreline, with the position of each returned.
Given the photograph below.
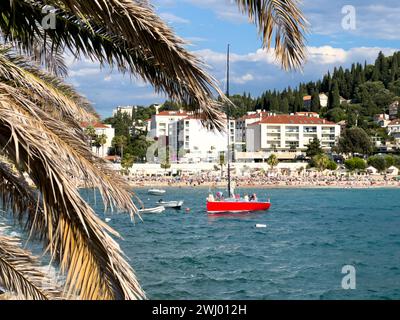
(256, 186)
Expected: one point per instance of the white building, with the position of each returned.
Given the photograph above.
(382, 120)
(190, 141)
(129, 110)
(101, 129)
(289, 134)
(323, 101)
(307, 114)
(242, 124)
(161, 120)
(394, 130)
(393, 110)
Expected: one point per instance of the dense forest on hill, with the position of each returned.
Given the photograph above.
(370, 88)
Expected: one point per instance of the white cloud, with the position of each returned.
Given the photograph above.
(84, 72)
(373, 21)
(172, 19)
(253, 72)
(243, 79)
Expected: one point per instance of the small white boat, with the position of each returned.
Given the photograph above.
(171, 204)
(159, 209)
(156, 192)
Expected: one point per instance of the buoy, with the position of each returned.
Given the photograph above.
(187, 209)
(261, 225)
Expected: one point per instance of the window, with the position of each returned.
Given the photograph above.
(310, 129)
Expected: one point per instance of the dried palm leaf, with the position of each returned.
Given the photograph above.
(22, 275)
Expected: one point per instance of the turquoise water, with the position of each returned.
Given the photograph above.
(311, 234)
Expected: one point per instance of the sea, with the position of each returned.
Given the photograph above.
(316, 244)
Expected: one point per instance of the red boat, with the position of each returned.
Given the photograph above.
(236, 206)
(232, 204)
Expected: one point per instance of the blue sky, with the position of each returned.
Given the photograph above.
(210, 24)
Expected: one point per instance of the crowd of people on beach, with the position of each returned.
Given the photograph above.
(307, 179)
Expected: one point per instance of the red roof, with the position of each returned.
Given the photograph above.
(96, 125)
(172, 114)
(395, 122)
(289, 119)
(305, 113)
(254, 116)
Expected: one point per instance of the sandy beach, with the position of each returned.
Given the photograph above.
(317, 181)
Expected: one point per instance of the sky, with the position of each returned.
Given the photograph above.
(338, 36)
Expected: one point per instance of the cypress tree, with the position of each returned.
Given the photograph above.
(315, 102)
(284, 107)
(334, 96)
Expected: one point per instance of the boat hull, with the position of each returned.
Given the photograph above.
(171, 204)
(155, 210)
(236, 206)
(156, 192)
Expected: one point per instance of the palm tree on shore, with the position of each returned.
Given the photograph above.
(90, 131)
(119, 142)
(101, 140)
(40, 132)
(272, 161)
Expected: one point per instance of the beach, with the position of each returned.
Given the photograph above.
(316, 180)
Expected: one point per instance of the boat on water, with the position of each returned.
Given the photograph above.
(159, 209)
(171, 204)
(236, 206)
(156, 192)
(233, 204)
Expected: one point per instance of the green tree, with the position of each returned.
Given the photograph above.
(315, 102)
(221, 162)
(314, 148)
(355, 140)
(334, 96)
(378, 162)
(332, 165)
(100, 141)
(321, 162)
(119, 142)
(355, 163)
(336, 115)
(284, 107)
(90, 132)
(272, 161)
(127, 162)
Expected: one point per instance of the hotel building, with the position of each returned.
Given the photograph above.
(287, 136)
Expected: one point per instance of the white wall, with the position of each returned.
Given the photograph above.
(110, 133)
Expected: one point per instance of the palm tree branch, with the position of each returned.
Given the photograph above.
(164, 62)
(282, 20)
(21, 274)
(77, 238)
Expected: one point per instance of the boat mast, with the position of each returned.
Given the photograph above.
(228, 123)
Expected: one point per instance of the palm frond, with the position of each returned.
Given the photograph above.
(76, 237)
(141, 43)
(283, 21)
(19, 199)
(22, 275)
(21, 73)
